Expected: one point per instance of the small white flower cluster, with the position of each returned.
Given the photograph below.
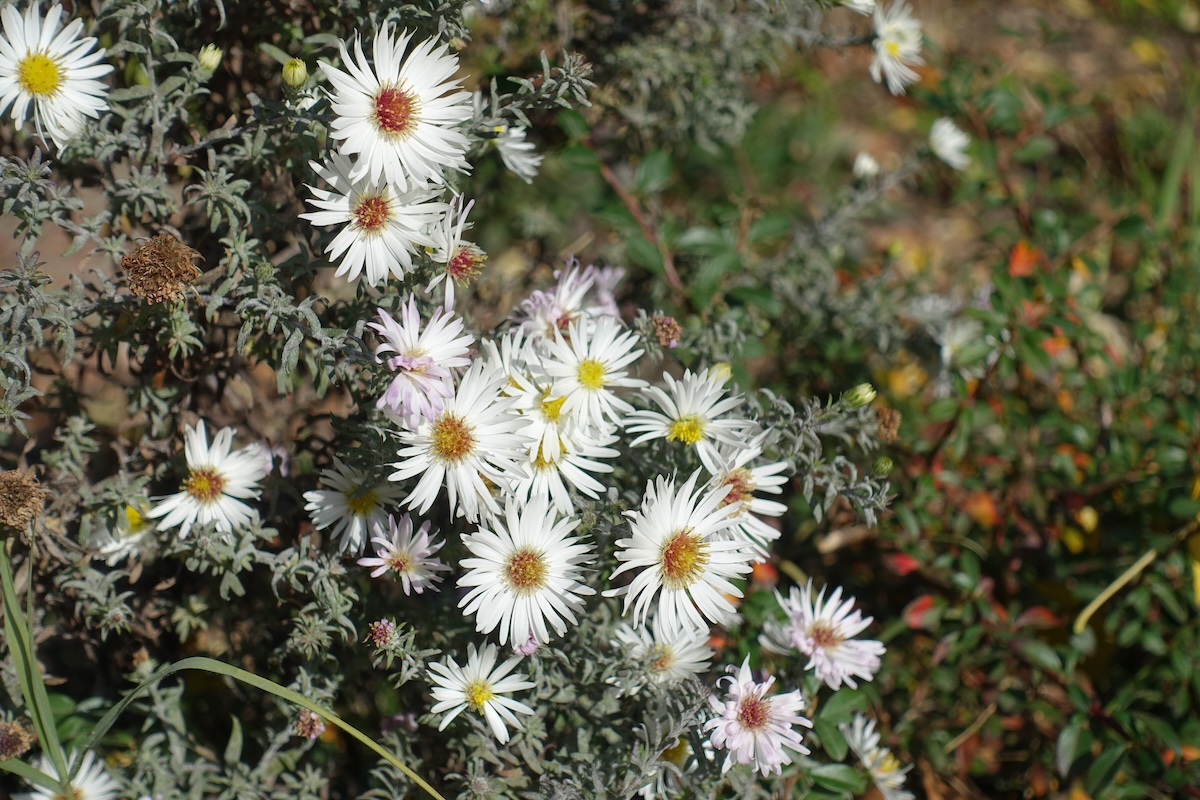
(398, 122)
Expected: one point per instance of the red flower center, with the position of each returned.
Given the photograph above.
(395, 112)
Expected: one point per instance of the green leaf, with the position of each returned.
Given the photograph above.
(644, 254)
(652, 174)
(763, 299)
(578, 158)
(1039, 654)
(1102, 770)
(31, 774)
(1066, 748)
(274, 52)
(841, 706)
(831, 739)
(233, 749)
(1036, 149)
(572, 123)
(839, 777)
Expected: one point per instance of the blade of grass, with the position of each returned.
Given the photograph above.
(20, 645)
(31, 774)
(249, 678)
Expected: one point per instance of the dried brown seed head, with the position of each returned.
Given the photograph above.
(160, 269)
(21, 498)
(15, 740)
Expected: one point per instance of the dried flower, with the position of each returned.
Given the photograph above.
(309, 725)
(21, 498)
(889, 423)
(667, 330)
(159, 269)
(380, 633)
(15, 739)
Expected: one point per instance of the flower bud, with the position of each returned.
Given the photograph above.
(295, 73)
(721, 370)
(859, 396)
(209, 57)
(882, 467)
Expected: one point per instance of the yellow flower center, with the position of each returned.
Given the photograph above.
(478, 693)
(400, 562)
(451, 439)
(134, 519)
(39, 75)
(683, 559)
(361, 505)
(689, 430)
(552, 409)
(525, 571)
(893, 49)
(396, 112)
(591, 374)
(541, 462)
(205, 484)
(371, 212)
(888, 764)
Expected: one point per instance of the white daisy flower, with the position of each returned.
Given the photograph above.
(574, 459)
(398, 115)
(351, 504)
(422, 359)
(409, 556)
(755, 728)
(865, 167)
(670, 654)
(823, 630)
(57, 74)
(475, 439)
(463, 260)
(517, 153)
(727, 465)
(897, 46)
(690, 413)
(884, 768)
(480, 686)
(525, 573)
(219, 478)
(680, 557)
(130, 536)
(860, 6)
(382, 227)
(949, 143)
(590, 366)
(92, 782)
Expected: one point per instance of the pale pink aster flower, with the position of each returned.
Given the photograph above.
(398, 116)
(755, 728)
(823, 629)
(421, 359)
(407, 555)
(568, 301)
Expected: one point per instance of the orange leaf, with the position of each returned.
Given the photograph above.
(981, 507)
(1023, 258)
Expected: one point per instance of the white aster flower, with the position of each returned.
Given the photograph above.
(679, 556)
(669, 654)
(861, 6)
(897, 46)
(350, 503)
(823, 630)
(463, 260)
(589, 367)
(517, 153)
(219, 478)
(755, 728)
(57, 74)
(382, 227)
(727, 465)
(574, 460)
(865, 167)
(884, 768)
(92, 782)
(480, 686)
(132, 534)
(398, 115)
(690, 413)
(409, 556)
(421, 359)
(475, 439)
(525, 573)
(569, 300)
(949, 143)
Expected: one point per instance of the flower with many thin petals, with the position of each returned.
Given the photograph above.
(679, 556)
(525, 573)
(398, 115)
(897, 46)
(92, 782)
(590, 365)
(755, 728)
(463, 260)
(482, 687)
(517, 153)
(691, 411)
(730, 472)
(219, 478)
(823, 629)
(132, 534)
(408, 555)
(57, 74)
(884, 768)
(381, 226)
(421, 359)
(669, 654)
(949, 143)
(351, 504)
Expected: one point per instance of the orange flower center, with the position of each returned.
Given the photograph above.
(396, 112)
(683, 559)
(205, 484)
(741, 487)
(525, 571)
(451, 438)
(824, 636)
(371, 212)
(754, 713)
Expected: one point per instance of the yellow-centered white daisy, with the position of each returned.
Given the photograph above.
(350, 503)
(480, 686)
(92, 782)
(897, 46)
(525, 573)
(884, 768)
(668, 654)
(219, 479)
(590, 365)
(57, 74)
(398, 115)
(691, 413)
(680, 557)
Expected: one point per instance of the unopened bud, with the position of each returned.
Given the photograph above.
(882, 467)
(721, 370)
(295, 73)
(209, 57)
(859, 396)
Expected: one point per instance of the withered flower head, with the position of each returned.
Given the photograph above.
(15, 740)
(159, 269)
(21, 498)
(667, 330)
(309, 725)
